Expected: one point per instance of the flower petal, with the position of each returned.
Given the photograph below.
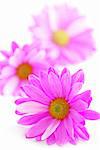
(79, 105)
(22, 100)
(17, 58)
(77, 117)
(4, 54)
(51, 129)
(31, 119)
(51, 139)
(82, 132)
(55, 85)
(85, 96)
(61, 134)
(45, 84)
(66, 16)
(36, 94)
(34, 80)
(66, 84)
(14, 46)
(32, 107)
(65, 70)
(19, 113)
(71, 55)
(74, 90)
(38, 138)
(85, 41)
(39, 127)
(68, 123)
(7, 72)
(78, 77)
(52, 70)
(91, 115)
(77, 27)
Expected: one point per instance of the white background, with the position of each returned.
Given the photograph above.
(15, 17)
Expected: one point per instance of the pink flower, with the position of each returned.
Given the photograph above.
(54, 108)
(63, 34)
(17, 65)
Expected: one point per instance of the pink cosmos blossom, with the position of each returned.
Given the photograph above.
(54, 109)
(17, 65)
(63, 33)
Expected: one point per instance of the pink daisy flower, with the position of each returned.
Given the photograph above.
(17, 65)
(54, 109)
(63, 34)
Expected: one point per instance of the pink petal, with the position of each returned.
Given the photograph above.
(17, 58)
(31, 119)
(85, 38)
(51, 139)
(32, 107)
(36, 94)
(79, 105)
(68, 123)
(61, 134)
(34, 80)
(82, 132)
(73, 141)
(51, 129)
(7, 72)
(45, 84)
(91, 115)
(66, 84)
(77, 117)
(22, 100)
(39, 66)
(38, 138)
(31, 50)
(14, 46)
(4, 53)
(71, 54)
(66, 20)
(19, 113)
(64, 71)
(39, 127)
(74, 90)
(2, 64)
(79, 50)
(52, 70)
(40, 19)
(77, 27)
(78, 77)
(55, 85)
(38, 57)
(85, 96)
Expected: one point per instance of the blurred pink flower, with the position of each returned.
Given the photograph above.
(54, 108)
(16, 67)
(63, 34)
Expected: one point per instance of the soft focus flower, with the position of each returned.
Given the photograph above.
(54, 109)
(17, 65)
(63, 34)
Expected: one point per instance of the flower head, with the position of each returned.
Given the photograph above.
(63, 33)
(18, 64)
(54, 109)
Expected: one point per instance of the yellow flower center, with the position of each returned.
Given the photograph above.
(59, 108)
(23, 71)
(60, 37)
